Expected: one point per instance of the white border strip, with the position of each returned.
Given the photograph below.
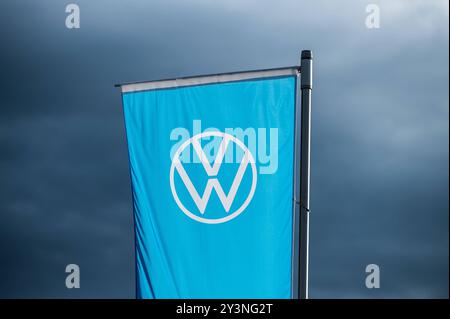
(207, 79)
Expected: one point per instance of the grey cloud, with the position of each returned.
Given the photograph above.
(380, 134)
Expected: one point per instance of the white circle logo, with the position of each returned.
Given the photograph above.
(213, 182)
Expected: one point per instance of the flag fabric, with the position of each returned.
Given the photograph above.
(212, 164)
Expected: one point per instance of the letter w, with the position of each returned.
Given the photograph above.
(213, 183)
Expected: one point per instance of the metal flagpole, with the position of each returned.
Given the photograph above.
(306, 88)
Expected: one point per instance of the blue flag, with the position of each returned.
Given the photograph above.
(211, 161)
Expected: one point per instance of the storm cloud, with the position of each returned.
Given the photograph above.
(380, 134)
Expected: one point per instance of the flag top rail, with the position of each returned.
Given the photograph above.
(207, 79)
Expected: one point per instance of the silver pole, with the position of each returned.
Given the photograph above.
(306, 88)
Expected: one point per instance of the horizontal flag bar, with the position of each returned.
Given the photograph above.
(207, 79)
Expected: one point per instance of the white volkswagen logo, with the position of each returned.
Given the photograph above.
(213, 182)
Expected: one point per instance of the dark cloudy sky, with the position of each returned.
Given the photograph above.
(380, 156)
